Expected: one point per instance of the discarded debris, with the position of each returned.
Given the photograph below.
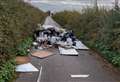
(80, 45)
(42, 54)
(64, 51)
(28, 67)
(53, 35)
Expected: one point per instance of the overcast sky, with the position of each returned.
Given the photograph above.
(60, 5)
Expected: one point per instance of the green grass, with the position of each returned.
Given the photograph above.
(98, 29)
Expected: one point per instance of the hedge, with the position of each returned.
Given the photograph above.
(18, 21)
(98, 29)
(7, 71)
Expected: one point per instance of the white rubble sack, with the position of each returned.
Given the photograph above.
(64, 51)
(26, 68)
(80, 45)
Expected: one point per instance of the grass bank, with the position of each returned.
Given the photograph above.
(98, 29)
(18, 20)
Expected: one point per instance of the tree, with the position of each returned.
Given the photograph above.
(95, 4)
(116, 4)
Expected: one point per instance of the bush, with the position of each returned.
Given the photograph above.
(24, 46)
(97, 29)
(7, 71)
(18, 20)
(116, 61)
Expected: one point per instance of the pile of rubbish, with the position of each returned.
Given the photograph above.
(52, 37)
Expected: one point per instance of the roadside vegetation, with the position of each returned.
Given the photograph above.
(18, 20)
(98, 29)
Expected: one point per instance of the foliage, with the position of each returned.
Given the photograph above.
(24, 46)
(7, 71)
(116, 61)
(18, 20)
(97, 29)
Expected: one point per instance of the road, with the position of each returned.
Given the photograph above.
(59, 68)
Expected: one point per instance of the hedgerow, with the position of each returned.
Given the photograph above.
(18, 20)
(98, 29)
(7, 71)
(22, 48)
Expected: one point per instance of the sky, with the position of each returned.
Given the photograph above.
(61, 5)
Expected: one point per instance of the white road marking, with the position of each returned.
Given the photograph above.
(40, 74)
(80, 76)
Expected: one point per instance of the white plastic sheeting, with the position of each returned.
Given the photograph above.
(50, 23)
(64, 51)
(80, 45)
(28, 67)
(47, 26)
(62, 43)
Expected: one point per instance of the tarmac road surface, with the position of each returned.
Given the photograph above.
(59, 68)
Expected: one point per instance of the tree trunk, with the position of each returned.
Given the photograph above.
(95, 4)
(116, 4)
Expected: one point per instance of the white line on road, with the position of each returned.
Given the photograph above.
(40, 74)
(80, 76)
